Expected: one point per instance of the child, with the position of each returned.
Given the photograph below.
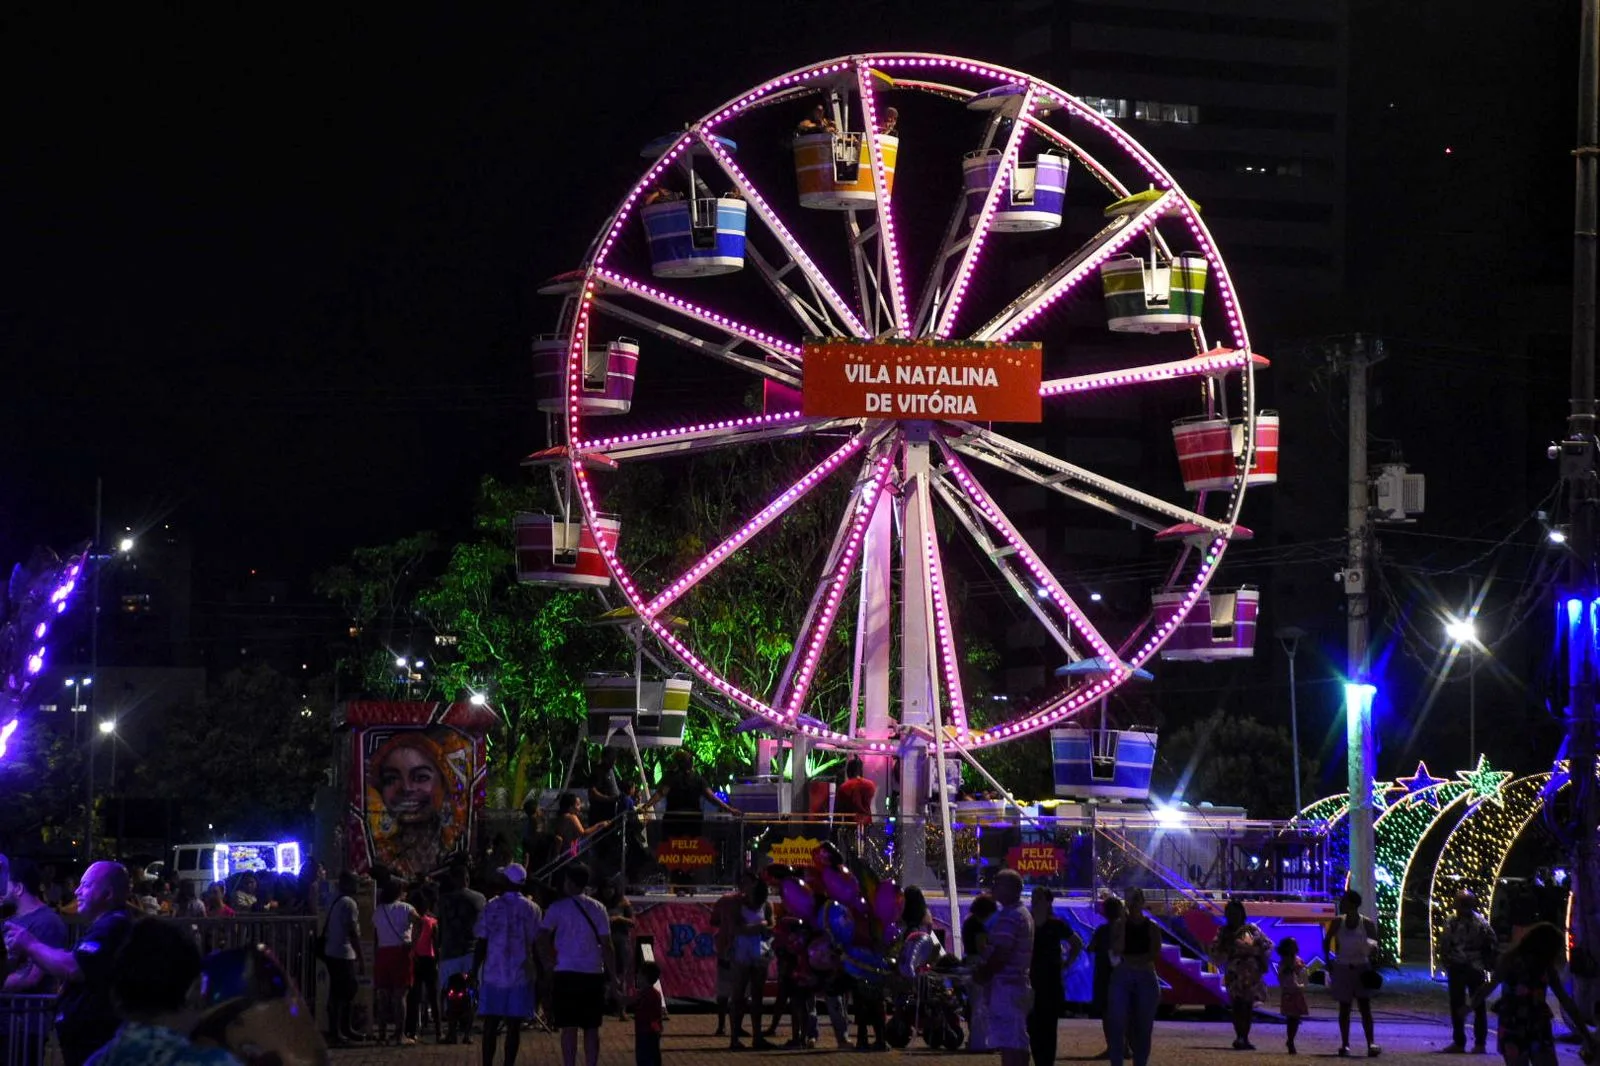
(422, 1003)
(1292, 976)
(648, 1011)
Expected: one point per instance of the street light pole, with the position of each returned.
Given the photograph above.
(1289, 637)
(1464, 633)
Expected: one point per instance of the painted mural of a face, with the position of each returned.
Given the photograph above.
(410, 783)
(407, 800)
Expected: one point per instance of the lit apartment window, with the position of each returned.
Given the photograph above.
(136, 603)
(1283, 168)
(1156, 111)
(446, 640)
(1109, 106)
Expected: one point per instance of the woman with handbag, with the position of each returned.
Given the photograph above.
(1351, 940)
(395, 923)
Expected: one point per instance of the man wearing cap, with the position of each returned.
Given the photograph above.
(506, 931)
(1468, 949)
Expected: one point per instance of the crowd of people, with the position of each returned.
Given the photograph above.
(132, 987)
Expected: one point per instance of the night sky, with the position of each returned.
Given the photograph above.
(272, 276)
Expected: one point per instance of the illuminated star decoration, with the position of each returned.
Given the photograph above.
(1420, 782)
(1484, 782)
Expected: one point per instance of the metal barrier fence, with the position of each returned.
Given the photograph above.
(27, 1030)
(1117, 848)
(289, 938)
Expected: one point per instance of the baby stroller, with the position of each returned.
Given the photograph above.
(460, 1004)
(925, 997)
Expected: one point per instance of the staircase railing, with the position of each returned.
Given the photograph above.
(1174, 882)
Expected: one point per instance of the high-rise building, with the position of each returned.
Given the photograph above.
(1246, 102)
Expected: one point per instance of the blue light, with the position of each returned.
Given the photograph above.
(1359, 694)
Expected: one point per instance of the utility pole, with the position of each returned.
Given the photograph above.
(1359, 756)
(1578, 471)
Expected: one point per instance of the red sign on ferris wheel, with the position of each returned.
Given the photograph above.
(967, 380)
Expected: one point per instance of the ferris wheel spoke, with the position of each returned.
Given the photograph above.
(1047, 471)
(888, 241)
(1215, 362)
(1050, 588)
(800, 669)
(980, 229)
(999, 556)
(763, 518)
(604, 278)
(709, 436)
(1071, 271)
(782, 369)
(815, 278)
(941, 622)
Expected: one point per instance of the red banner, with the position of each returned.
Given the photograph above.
(922, 379)
(682, 937)
(1037, 860)
(686, 853)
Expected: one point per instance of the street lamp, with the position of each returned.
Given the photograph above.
(1463, 632)
(107, 728)
(125, 545)
(1290, 637)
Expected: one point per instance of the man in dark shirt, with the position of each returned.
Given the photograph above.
(459, 909)
(1049, 993)
(85, 1019)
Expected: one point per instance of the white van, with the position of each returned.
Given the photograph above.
(205, 863)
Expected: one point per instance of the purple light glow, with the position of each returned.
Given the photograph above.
(40, 630)
(7, 731)
(36, 661)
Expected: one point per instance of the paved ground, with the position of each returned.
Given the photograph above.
(1408, 1035)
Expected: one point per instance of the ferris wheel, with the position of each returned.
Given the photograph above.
(872, 245)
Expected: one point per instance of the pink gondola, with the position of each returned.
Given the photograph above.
(555, 552)
(1209, 448)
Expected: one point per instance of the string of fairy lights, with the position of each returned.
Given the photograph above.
(1489, 809)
